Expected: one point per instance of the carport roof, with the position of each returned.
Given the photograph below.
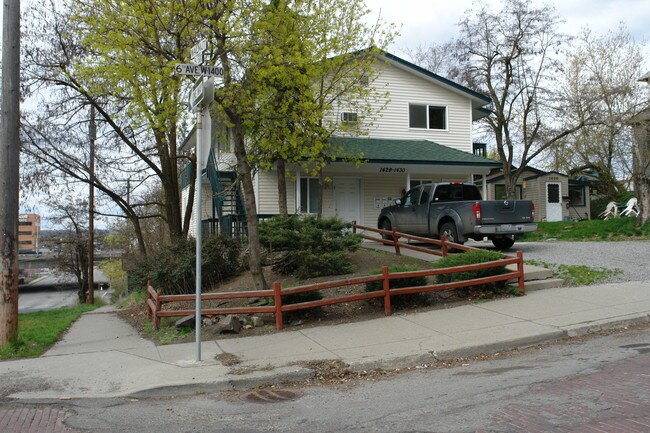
(386, 150)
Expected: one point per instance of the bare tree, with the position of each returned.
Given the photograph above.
(512, 56)
(599, 87)
(72, 256)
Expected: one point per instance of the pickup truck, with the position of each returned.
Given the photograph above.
(455, 210)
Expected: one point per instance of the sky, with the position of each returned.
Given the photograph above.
(426, 21)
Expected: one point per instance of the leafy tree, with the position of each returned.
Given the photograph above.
(250, 79)
(118, 57)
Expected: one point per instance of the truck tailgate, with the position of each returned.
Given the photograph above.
(506, 211)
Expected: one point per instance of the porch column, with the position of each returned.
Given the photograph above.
(298, 204)
(485, 187)
(408, 181)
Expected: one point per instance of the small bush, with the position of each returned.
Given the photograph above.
(173, 268)
(308, 246)
(469, 258)
(415, 298)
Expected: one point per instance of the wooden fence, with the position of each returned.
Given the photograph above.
(155, 299)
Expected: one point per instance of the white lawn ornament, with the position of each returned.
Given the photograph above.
(631, 208)
(611, 211)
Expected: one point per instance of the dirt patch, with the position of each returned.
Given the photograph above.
(365, 261)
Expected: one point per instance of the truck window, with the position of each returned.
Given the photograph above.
(471, 192)
(443, 193)
(426, 192)
(412, 197)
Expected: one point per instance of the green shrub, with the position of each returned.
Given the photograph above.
(308, 246)
(469, 258)
(417, 298)
(173, 268)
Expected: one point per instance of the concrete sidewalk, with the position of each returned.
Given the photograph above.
(102, 356)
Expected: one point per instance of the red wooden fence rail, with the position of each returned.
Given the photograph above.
(155, 299)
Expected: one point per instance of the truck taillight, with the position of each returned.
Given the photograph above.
(532, 210)
(477, 211)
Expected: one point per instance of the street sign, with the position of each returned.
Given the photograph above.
(198, 70)
(201, 94)
(196, 52)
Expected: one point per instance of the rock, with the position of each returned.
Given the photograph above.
(229, 324)
(207, 321)
(186, 322)
(257, 321)
(253, 300)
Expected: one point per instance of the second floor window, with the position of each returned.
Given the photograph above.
(427, 116)
(348, 117)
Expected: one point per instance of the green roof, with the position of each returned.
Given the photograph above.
(384, 150)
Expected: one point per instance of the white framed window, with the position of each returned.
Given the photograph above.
(424, 116)
(309, 195)
(348, 117)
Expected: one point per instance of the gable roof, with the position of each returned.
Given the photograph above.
(383, 150)
(478, 100)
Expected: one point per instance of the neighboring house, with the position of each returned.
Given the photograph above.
(29, 233)
(422, 134)
(556, 197)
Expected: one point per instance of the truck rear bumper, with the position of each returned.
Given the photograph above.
(505, 229)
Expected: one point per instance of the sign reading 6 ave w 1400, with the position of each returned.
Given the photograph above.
(198, 70)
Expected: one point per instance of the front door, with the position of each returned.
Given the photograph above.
(347, 199)
(553, 201)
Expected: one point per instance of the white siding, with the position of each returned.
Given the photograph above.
(406, 88)
(267, 193)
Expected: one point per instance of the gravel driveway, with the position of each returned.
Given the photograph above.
(631, 257)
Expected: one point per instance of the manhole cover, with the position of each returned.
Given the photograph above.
(269, 395)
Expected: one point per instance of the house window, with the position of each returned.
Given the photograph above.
(349, 117)
(309, 197)
(577, 195)
(427, 116)
(23, 233)
(24, 223)
(418, 182)
(500, 192)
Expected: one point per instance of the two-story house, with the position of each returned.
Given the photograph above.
(422, 133)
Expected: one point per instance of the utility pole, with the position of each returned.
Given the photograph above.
(92, 132)
(9, 174)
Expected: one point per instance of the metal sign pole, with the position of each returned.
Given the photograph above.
(199, 228)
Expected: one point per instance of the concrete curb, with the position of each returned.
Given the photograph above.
(229, 383)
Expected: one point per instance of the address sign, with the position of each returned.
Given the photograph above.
(198, 70)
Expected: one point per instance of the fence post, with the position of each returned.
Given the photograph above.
(354, 227)
(156, 319)
(443, 246)
(520, 271)
(277, 297)
(149, 312)
(387, 307)
(395, 242)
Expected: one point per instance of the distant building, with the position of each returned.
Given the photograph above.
(29, 233)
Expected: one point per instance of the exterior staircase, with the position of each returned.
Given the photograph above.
(536, 278)
(227, 204)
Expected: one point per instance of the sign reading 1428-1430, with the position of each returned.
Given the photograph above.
(198, 70)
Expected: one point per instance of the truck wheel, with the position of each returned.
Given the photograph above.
(385, 225)
(503, 243)
(448, 230)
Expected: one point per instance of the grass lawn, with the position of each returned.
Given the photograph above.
(622, 228)
(38, 331)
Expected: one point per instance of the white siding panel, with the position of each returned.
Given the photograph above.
(267, 194)
(405, 89)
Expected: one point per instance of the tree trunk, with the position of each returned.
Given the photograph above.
(282, 187)
(246, 175)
